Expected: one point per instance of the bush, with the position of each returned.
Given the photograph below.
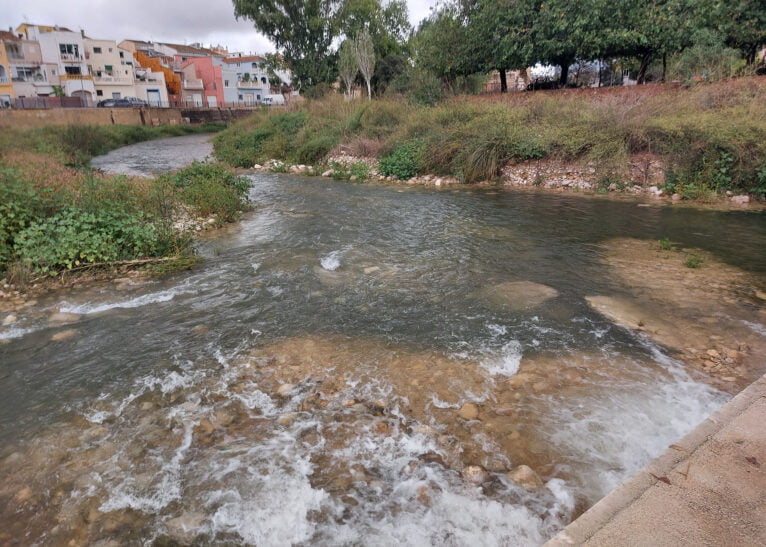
(403, 163)
(212, 189)
(74, 237)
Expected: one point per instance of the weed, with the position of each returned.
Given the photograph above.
(693, 260)
(403, 163)
(666, 244)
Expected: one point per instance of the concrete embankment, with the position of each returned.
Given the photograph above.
(707, 489)
(122, 116)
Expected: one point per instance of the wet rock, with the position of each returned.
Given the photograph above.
(469, 411)
(426, 430)
(518, 295)
(379, 406)
(62, 318)
(382, 428)
(223, 417)
(740, 199)
(23, 495)
(64, 335)
(713, 353)
(287, 419)
(206, 426)
(185, 526)
(285, 390)
(348, 403)
(525, 476)
(729, 379)
(200, 330)
(9, 320)
(504, 411)
(475, 474)
(676, 197)
(371, 269)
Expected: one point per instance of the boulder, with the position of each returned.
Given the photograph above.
(475, 474)
(518, 295)
(469, 411)
(61, 318)
(9, 320)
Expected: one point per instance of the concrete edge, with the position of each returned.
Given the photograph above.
(595, 518)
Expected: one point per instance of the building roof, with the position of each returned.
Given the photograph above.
(42, 28)
(243, 59)
(191, 50)
(5, 35)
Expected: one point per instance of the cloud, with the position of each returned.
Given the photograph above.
(178, 21)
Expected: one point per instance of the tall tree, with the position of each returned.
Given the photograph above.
(303, 30)
(365, 57)
(347, 66)
(742, 23)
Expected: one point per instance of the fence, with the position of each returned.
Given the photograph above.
(49, 102)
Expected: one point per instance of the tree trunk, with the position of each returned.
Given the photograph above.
(369, 91)
(564, 74)
(664, 66)
(645, 60)
(751, 53)
(600, 69)
(503, 81)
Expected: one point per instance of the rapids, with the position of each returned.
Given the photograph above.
(339, 364)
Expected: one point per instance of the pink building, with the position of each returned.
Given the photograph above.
(208, 81)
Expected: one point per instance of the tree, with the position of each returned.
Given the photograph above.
(347, 66)
(303, 30)
(742, 23)
(365, 57)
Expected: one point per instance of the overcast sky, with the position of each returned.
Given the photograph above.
(175, 21)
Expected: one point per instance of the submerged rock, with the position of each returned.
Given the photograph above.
(64, 335)
(517, 295)
(525, 476)
(475, 474)
(61, 318)
(469, 411)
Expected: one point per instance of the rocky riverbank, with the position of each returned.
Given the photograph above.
(646, 179)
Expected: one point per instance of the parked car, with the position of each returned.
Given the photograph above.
(125, 102)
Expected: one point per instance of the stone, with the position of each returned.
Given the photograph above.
(469, 411)
(525, 476)
(62, 318)
(382, 428)
(426, 430)
(353, 178)
(257, 166)
(475, 474)
(185, 526)
(327, 174)
(371, 269)
(287, 419)
(9, 320)
(223, 417)
(729, 379)
(676, 197)
(200, 330)
(64, 335)
(713, 353)
(23, 495)
(206, 426)
(518, 295)
(285, 390)
(740, 199)
(379, 406)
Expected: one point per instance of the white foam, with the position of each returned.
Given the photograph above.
(331, 262)
(756, 327)
(15, 332)
(137, 302)
(506, 362)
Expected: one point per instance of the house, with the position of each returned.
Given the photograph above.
(62, 62)
(117, 75)
(251, 83)
(6, 86)
(28, 75)
(146, 56)
(209, 81)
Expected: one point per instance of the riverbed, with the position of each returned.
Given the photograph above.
(358, 364)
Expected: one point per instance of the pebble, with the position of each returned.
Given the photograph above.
(469, 411)
(475, 474)
(64, 335)
(713, 353)
(287, 419)
(23, 495)
(525, 476)
(729, 379)
(285, 390)
(63, 317)
(9, 320)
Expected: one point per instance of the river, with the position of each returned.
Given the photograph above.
(307, 382)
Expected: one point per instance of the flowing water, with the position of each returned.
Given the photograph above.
(304, 383)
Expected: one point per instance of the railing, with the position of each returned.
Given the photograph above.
(3, 80)
(193, 84)
(37, 78)
(71, 57)
(250, 84)
(69, 77)
(112, 80)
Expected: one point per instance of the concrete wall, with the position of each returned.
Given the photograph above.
(90, 116)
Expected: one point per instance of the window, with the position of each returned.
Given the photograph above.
(72, 69)
(14, 51)
(116, 96)
(240, 97)
(255, 65)
(108, 68)
(99, 93)
(69, 50)
(122, 55)
(226, 83)
(215, 86)
(96, 50)
(110, 50)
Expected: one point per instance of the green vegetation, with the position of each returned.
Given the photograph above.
(711, 139)
(693, 260)
(666, 244)
(56, 215)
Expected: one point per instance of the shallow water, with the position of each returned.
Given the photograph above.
(302, 384)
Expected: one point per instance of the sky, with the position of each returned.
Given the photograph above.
(210, 22)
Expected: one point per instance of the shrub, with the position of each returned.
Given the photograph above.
(403, 163)
(73, 237)
(315, 149)
(693, 261)
(212, 189)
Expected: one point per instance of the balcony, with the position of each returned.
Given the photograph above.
(75, 77)
(3, 80)
(252, 84)
(30, 78)
(71, 58)
(193, 84)
(114, 80)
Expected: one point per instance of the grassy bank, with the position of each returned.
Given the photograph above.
(711, 139)
(57, 215)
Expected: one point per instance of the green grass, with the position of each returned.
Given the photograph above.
(712, 138)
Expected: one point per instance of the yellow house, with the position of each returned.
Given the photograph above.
(6, 84)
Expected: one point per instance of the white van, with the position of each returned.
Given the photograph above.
(271, 100)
